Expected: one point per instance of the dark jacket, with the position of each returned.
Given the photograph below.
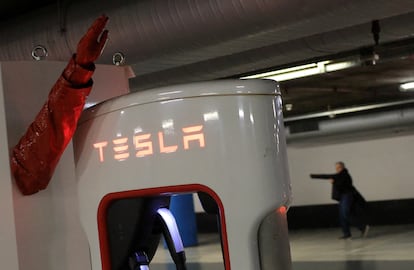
(342, 183)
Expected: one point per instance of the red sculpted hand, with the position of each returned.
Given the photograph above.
(35, 157)
(92, 43)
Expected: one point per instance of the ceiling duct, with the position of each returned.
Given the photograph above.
(149, 29)
(180, 40)
(352, 127)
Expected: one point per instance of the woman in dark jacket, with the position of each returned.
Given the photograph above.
(349, 199)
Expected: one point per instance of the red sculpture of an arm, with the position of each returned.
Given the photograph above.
(34, 158)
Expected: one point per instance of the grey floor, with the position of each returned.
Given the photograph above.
(386, 248)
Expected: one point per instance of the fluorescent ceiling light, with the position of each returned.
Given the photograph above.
(305, 70)
(340, 65)
(295, 74)
(281, 71)
(405, 87)
(289, 73)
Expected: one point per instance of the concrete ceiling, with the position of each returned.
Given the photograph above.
(10, 9)
(357, 86)
(322, 34)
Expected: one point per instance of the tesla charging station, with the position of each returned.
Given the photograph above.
(222, 139)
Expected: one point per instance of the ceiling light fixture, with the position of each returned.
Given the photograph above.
(305, 70)
(406, 87)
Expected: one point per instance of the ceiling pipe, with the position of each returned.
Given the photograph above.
(166, 34)
(354, 126)
(336, 112)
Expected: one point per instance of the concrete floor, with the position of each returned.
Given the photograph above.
(386, 248)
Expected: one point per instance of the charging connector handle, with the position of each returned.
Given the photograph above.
(173, 238)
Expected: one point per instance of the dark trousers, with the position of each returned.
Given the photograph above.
(347, 215)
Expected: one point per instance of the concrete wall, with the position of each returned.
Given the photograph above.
(42, 231)
(382, 168)
(8, 245)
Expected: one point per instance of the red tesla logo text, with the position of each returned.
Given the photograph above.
(143, 144)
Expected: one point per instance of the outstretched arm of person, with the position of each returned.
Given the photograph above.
(34, 158)
(322, 176)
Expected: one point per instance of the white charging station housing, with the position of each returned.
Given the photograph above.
(225, 138)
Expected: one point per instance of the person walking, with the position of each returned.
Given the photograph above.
(351, 202)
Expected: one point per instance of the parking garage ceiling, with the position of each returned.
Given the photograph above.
(180, 41)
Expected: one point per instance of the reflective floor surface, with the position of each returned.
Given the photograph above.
(386, 248)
